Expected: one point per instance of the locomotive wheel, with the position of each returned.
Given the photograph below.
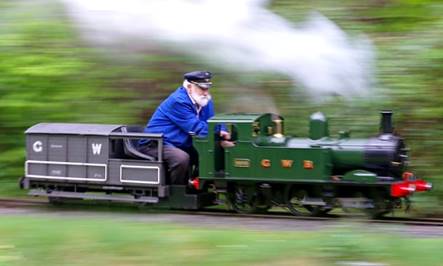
(294, 203)
(246, 200)
(382, 206)
(294, 199)
(354, 211)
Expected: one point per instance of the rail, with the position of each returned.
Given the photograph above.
(22, 203)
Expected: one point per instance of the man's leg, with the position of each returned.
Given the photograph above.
(176, 160)
(178, 164)
(193, 154)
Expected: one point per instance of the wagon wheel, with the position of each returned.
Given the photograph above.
(62, 201)
(55, 200)
(246, 200)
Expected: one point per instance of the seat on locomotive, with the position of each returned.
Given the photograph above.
(129, 145)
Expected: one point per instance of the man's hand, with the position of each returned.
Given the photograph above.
(227, 144)
(225, 135)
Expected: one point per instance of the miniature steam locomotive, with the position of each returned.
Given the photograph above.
(264, 169)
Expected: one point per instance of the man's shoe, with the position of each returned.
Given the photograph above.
(194, 183)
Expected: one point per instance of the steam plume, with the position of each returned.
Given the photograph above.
(238, 34)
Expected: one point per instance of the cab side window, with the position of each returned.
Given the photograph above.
(234, 132)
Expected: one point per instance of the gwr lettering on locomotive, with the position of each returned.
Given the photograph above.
(265, 163)
(307, 164)
(287, 163)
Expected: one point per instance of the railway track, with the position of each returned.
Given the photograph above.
(9, 202)
(22, 203)
(330, 217)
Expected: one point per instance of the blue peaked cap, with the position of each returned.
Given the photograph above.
(199, 78)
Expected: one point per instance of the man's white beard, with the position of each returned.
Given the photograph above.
(201, 100)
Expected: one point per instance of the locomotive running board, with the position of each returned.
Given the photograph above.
(313, 201)
(358, 203)
(77, 195)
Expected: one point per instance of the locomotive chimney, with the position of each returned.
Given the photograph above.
(386, 122)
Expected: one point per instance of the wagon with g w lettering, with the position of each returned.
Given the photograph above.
(97, 162)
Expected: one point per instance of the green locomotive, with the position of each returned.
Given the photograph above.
(266, 168)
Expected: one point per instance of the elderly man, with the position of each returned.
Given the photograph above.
(183, 114)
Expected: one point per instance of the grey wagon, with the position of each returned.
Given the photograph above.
(102, 156)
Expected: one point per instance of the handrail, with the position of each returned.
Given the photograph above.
(136, 135)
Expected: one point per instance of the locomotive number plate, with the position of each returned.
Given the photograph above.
(243, 163)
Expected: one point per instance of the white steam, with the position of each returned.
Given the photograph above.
(240, 34)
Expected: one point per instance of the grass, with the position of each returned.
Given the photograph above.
(9, 188)
(33, 240)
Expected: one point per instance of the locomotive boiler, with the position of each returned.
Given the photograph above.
(265, 168)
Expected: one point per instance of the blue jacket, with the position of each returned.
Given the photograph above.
(177, 119)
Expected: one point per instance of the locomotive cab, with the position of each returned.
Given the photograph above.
(242, 127)
(248, 131)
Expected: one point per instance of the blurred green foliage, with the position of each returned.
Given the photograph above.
(409, 67)
(92, 241)
(49, 73)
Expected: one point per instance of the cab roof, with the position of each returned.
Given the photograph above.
(72, 129)
(239, 117)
